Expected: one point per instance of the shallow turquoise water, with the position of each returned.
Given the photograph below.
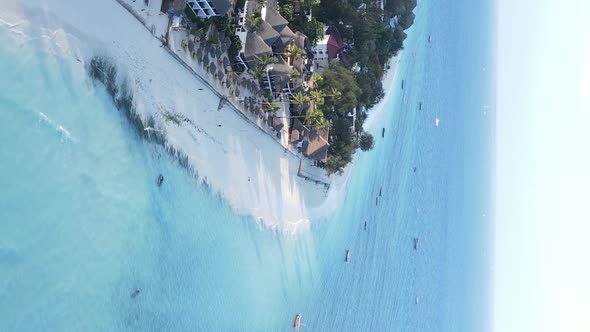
(82, 223)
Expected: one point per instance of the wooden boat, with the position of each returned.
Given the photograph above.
(420, 105)
(347, 258)
(383, 132)
(380, 189)
(416, 243)
(402, 84)
(297, 322)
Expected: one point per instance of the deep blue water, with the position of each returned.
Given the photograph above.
(82, 224)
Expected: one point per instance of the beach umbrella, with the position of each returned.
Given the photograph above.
(220, 74)
(226, 62)
(218, 52)
(206, 60)
(191, 45)
(212, 68)
(211, 51)
(237, 92)
(228, 83)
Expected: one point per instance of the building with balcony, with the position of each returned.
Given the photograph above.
(209, 8)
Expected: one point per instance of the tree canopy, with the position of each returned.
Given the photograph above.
(366, 141)
(339, 78)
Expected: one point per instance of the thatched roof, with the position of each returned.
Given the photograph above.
(267, 33)
(275, 19)
(317, 144)
(300, 127)
(286, 37)
(255, 46)
(279, 76)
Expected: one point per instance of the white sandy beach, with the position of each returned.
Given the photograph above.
(237, 159)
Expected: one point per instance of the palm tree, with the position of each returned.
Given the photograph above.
(300, 99)
(271, 107)
(294, 73)
(254, 21)
(298, 53)
(261, 63)
(294, 51)
(315, 117)
(317, 97)
(333, 93)
(315, 78)
(265, 60)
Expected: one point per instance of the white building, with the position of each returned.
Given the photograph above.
(320, 53)
(208, 8)
(327, 50)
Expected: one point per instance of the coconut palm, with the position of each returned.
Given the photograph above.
(294, 51)
(254, 21)
(298, 53)
(271, 107)
(265, 60)
(315, 117)
(300, 99)
(333, 92)
(294, 73)
(317, 97)
(315, 78)
(261, 63)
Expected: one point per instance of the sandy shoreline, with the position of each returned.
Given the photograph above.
(246, 166)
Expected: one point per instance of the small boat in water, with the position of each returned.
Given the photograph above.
(416, 243)
(429, 38)
(420, 105)
(380, 189)
(402, 84)
(383, 132)
(297, 322)
(436, 121)
(135, 293)
(347, 258)
(417, 299)
(160, 180)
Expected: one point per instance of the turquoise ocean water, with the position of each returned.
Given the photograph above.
(82, 223)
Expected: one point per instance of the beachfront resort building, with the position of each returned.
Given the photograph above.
(209, 8)
(273, 38)
(328, 49)
(316, 145)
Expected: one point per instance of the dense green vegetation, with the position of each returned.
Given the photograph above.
(352, 83)
(294, 12)
(365, 27)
